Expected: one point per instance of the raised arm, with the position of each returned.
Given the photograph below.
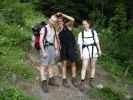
(68, 17)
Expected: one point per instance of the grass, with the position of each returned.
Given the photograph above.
(105, 93)
(16, 20)
(15, 35)
(112, 66)
(12, 62)
(10, 92)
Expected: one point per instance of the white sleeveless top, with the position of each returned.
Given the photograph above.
(87, 52)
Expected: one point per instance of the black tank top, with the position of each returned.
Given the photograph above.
(67, 38)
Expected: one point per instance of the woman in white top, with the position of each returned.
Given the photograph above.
(89, 50)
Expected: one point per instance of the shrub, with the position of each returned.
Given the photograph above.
(12, 93)
(105, 94)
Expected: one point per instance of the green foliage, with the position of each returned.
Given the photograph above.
(105, 94)
(116, 51)
(118, 22)
(125, 51)
(11, 61)
(12, 93)
(105, 37)
(16, 20)
(13, 16)
(15, 35)
(111, 65)
(76, 31)
(53, 6)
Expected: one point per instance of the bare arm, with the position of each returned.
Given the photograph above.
(99, 48)
(68, 17)
(71, 19)
(97, 42)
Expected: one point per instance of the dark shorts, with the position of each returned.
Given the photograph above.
(68, 54)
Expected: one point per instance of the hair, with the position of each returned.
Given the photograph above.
(53, 17)
(89, 22)
(43, 23)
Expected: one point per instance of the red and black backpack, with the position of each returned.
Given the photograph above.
(36, 34)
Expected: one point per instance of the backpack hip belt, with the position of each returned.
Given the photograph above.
(87, 45)
(94, 44)
(48, 44)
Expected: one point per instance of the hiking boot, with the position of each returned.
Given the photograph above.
(75, 82)
(91, 82)
(52, 82)
(82, 86)
(45, 86)
(65, 83)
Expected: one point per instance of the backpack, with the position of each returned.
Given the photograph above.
(94, 44)
(36, 35)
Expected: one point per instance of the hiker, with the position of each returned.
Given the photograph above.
(89, 51)
(67, 52)
(48, 52)
(35, 43)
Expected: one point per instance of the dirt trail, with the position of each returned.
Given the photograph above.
(55, 93)
(62, 93)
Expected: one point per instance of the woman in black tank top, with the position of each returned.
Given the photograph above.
(67, 52)
(67, 38)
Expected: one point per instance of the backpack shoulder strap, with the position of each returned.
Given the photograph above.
(83, 37)
(45, 32)
(92, 31)
(93, 35)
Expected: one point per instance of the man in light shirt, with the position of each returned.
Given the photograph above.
(48, 52)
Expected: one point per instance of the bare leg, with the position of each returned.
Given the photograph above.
(83, 74)
(50, 70)
(51, 81)
(43, 78)
(60, 67)
(64, 70)
(74, 71)
(73, 65)
(43, 69)
(84, 68)
(88, 69)
(93, 68)
(64, 65)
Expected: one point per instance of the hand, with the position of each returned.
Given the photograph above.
(59, 14)
(56, 52)
(45, 55)
(100, 53)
